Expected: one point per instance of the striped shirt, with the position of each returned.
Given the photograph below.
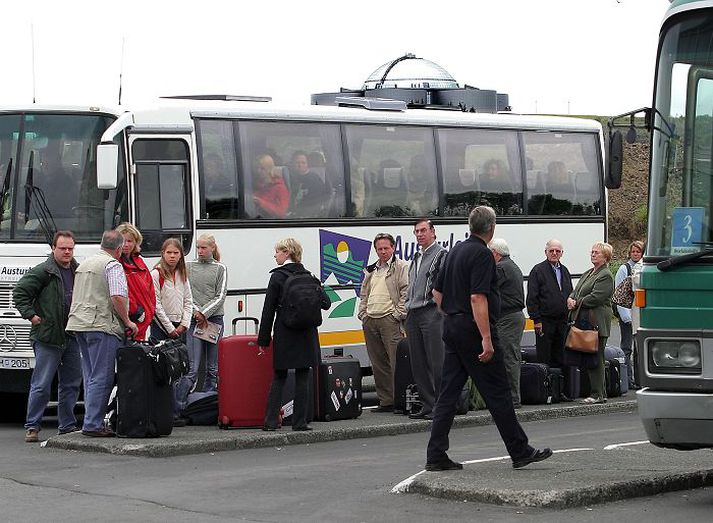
(117, 279)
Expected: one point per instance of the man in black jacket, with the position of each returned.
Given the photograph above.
(43, 296)
(548, 287)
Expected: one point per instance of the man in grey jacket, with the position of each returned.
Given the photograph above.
(423, 319)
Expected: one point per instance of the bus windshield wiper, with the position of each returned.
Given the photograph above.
(35, 195)
(682, 259)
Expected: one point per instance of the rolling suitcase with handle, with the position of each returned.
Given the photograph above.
(403, 380)
(244, 378)
(144, 404)
(535, 388)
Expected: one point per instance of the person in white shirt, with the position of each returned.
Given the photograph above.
(636, 251)
(174, 300)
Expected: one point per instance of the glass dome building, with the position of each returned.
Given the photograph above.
(420, 83)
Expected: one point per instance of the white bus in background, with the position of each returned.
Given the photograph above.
(188, 169)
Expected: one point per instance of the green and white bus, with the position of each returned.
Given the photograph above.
(674, 289)
(189, 168)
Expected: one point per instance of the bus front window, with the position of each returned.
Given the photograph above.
(682, 148)
(48, 177)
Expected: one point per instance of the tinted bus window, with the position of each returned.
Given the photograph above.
(292, 170)
(392, 170)
(480, 167)
(218, 171)
(563, 174)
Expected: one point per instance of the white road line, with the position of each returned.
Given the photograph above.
(404, 485)
(629, 444)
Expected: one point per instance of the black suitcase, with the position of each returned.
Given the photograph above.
(339, 394)
(201, 408)
(403, 379)
(144, 409)
(535, 386)
(612, 378)
(529, 354)
(572, 387)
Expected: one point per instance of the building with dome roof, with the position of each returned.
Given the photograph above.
(420, 83)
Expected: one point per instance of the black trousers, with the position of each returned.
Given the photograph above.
(491, 380)
(274, 398)
(550, 346)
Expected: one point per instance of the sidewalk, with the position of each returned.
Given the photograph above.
(196, 440)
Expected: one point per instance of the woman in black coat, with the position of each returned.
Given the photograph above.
(292, 348)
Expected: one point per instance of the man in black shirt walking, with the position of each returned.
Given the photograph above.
(466, 291)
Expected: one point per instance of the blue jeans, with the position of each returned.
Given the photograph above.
(98, 362)
(196, 347)
(66, 363)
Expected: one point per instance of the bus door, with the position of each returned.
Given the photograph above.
(160, 190)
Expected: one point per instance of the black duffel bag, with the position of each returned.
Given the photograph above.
(170, 361)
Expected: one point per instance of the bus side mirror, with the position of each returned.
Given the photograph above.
(614, 161)
(107, 165)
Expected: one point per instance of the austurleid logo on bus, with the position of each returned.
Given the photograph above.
(12, 274)
(345, 258)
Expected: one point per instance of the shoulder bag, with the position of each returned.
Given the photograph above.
(582, 339)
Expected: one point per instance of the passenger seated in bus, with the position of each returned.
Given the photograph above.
(218, 190)
(270, 193)
(421, 197)
(494, 177)
(309, 194)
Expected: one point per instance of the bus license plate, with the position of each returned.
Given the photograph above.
(16, 363)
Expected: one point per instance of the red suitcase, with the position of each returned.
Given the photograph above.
(244, 377)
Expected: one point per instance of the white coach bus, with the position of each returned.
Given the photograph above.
(192, 168)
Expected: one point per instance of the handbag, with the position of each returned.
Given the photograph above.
(624, 294)
(582, 339)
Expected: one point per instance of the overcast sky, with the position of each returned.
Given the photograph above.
(550, 56)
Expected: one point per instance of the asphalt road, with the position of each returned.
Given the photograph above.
(335, 481)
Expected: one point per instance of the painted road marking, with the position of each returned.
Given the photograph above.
(629, 444)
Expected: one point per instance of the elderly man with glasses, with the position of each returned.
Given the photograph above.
(548, 287)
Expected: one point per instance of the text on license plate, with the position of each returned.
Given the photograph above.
(15, 363)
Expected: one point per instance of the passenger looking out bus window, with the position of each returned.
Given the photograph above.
(309, 194)
(422, 197)
(270, 193)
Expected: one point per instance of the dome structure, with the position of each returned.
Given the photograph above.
(410, 72)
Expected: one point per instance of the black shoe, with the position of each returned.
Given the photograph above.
(446, 464)
(537, 455)
(399, 411)
(101, 433)
(420, 415)
(267, 428)
(565, 399)
(180, 422)
(384, 408)
(67, 430)
(301, 429)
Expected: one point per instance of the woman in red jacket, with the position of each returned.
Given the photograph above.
(270, 195)
(142, 298)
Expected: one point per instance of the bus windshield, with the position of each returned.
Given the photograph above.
(48, 177)
(681, 185)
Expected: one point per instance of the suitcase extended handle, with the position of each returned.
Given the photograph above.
(245, 318)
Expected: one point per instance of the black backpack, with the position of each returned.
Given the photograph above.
(301, 301)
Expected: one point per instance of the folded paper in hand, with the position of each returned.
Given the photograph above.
(209, 333)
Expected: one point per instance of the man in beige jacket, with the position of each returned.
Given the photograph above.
(382, 310)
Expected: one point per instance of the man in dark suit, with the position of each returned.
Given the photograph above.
(466, 290)
(548, 287)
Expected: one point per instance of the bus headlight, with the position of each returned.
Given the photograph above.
(674, 356)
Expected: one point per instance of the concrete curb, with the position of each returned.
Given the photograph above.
(197, 440)
(569, 480)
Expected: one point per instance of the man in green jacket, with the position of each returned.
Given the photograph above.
(43, 296)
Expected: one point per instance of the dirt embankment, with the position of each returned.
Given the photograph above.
(628, 205)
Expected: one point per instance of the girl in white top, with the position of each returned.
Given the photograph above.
(174, 300)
